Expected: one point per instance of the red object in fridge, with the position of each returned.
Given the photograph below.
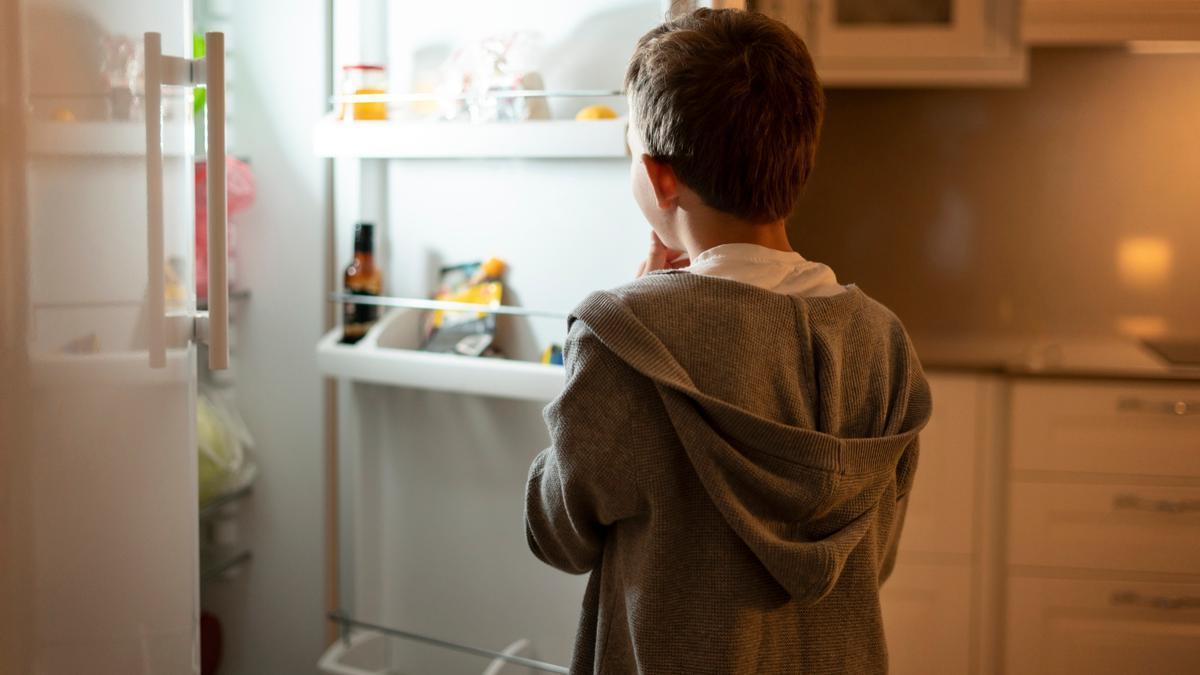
(240, 190)
(210, 644)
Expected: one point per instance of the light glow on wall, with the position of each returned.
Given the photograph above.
(1142, 325)
(1144, 262)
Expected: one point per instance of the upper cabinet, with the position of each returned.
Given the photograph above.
(1049, 22)
(908, 42)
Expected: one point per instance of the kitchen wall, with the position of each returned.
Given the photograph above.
(1069, 206)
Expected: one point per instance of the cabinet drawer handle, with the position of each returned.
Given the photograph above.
(1128, 502)
(1178, 408)
(1135, 599)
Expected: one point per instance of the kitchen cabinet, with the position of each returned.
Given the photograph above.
(936, 43)
(1106, 427)
(1051, 22)
(1054, 527)
(1103, 627)
(926, 618)
(1151, 528)
(936, 604)
(1104, 528)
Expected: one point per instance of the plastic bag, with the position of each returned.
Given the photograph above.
(222, 441)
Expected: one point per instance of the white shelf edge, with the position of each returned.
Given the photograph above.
(95, 139)
(130, 368)
(502, 378)
(537, 139)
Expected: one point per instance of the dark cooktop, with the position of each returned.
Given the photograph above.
(1177, 351)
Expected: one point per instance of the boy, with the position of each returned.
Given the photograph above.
(731, 455)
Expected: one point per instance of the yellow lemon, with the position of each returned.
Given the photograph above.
(596, 112)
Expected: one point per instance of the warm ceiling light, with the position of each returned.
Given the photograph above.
(1163, 46)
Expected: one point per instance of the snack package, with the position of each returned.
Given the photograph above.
(553, 355)
(466, 333)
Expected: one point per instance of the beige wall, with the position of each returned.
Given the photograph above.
(1068, 206)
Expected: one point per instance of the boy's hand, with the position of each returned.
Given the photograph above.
(661, 257)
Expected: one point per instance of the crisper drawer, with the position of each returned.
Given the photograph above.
(1145, 429)
(927, 617)
(1114, 527)
(1058, 626)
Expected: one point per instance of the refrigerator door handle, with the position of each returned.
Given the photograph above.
(213, 72)
(159, 70)
(156, 310)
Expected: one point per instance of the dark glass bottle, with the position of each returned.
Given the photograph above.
(362, 277)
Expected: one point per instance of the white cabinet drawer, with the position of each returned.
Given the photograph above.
(1114, 527)
(1058, 626)
(1145, 429)
(941, 506)
(926, 618)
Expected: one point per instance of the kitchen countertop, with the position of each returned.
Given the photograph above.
(1049, 356)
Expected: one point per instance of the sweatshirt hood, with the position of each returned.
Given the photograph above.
(802, 500)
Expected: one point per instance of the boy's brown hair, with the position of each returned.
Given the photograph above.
(731, 101)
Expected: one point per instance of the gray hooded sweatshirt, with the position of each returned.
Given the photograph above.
(731, 466)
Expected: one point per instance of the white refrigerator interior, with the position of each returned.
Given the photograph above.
(99, 451)
(432, 477)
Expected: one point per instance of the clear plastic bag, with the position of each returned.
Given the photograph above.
(223, 443)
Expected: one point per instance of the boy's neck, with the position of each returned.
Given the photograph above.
(698, 234)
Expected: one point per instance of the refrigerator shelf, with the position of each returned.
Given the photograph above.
(424, 303)
(539, 139)
(241, 488)
(363, 650)
(388, 355)
(96, 139)
(216, 563)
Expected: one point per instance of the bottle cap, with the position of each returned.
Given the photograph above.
(364, 237)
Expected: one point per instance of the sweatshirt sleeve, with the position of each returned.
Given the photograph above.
(584, 482)
(905, 472)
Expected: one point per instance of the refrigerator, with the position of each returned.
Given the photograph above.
(100, 333)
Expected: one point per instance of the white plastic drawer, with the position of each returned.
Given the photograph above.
(926, 618)
(1144, 429)
(1112, 527)
(1058, 626)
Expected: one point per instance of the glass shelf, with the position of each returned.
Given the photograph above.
(212, 506)
(422, 303)
(216, 562)
(533, 139)
(510, 654)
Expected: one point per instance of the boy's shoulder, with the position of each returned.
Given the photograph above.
(675, 299)
(662, 289)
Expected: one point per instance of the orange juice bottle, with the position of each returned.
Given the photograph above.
(364, 79)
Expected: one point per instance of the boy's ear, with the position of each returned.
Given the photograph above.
(663, 180)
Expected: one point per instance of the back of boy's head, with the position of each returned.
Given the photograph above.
(731, 101)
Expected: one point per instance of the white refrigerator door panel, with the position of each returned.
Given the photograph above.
(115, 497)
(98, 535)
(100, 226)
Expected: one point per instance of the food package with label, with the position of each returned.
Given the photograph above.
(467, 333)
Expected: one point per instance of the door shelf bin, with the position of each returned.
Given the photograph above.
(389, 355)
